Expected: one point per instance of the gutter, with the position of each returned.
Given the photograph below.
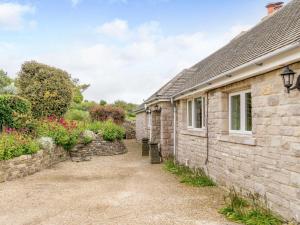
(257, 62)
(174, 127)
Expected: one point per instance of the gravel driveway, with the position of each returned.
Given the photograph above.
(118, 190)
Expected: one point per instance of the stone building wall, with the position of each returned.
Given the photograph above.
(29, 164)
(266, 162)
(162, 127)
(141, 126)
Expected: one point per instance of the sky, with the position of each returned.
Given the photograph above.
(125, 49)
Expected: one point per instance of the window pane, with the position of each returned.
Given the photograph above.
(204, 112)
(198, 113)
(235, 112)
(248, 105)
(190, 113)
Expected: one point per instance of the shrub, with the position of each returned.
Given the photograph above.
(111, 131)
(78, 115)
(14, 111)
(50, 90)
(196, 178)
(103, 113)
(14, 144)
(92, 126)
(64, 133)
(251, 212)
(88, 136)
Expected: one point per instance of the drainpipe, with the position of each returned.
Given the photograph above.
(174, 128)
(207, 139)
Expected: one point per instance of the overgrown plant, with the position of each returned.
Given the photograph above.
(14, 144)
(196, 178)
(64, 133)
(111, 131)
(249, 212)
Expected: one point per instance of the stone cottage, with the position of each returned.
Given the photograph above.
(236, 113)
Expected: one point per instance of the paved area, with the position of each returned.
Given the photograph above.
(118, 190)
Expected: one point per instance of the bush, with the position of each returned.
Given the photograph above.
(14, 144)
(103, 113)
(92, 126)
(50, 90)
(111, 131)
(14, 111)
(78, 115)
(64, 133)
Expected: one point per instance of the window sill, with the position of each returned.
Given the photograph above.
(194, 132)
(238, 139)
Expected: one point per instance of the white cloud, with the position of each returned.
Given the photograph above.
(134, 68)
(116, 28)
(12, 15)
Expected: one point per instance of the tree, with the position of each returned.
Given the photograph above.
(49, 89)
(103, 102)
(128, 107)
(4, 79)
(78, 90)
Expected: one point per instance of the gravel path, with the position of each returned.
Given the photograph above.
(118, 190)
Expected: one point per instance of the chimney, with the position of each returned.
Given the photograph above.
(273, 7)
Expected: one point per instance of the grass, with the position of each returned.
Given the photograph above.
(196, 178)
(251, 212)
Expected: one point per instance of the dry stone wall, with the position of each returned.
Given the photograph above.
(98, 147)
(141, 126)
(29, 164)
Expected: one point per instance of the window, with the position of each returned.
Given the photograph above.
(190, 113)
(196, 113)
(149, 121)
(240, 112)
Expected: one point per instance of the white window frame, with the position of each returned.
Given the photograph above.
(149, 120)
(243, 130)
(193, 113)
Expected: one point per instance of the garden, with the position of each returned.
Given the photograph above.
(45, 103)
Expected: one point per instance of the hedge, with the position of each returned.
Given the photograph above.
(14, 111)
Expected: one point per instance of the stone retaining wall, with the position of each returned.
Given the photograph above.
(98, 147)
(29, 164)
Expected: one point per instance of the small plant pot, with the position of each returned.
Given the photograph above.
(145, 147)
(154, 154)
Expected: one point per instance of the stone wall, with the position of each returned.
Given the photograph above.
(98, 147)
(129, 129)
(29, 164)
(266, 162)
(141, 126)
(162, 127)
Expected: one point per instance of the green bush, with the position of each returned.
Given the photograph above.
(78, 115)
(50, 90)
(196, 178)
(15, 144)
(251, 212)
(14, 111)
(106, 112)
(92, 126)
(64, 133)
(111, 131)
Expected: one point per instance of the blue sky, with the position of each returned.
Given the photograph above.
(126, 49)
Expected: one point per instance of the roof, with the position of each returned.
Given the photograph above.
(140, 108)
(272, 33)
